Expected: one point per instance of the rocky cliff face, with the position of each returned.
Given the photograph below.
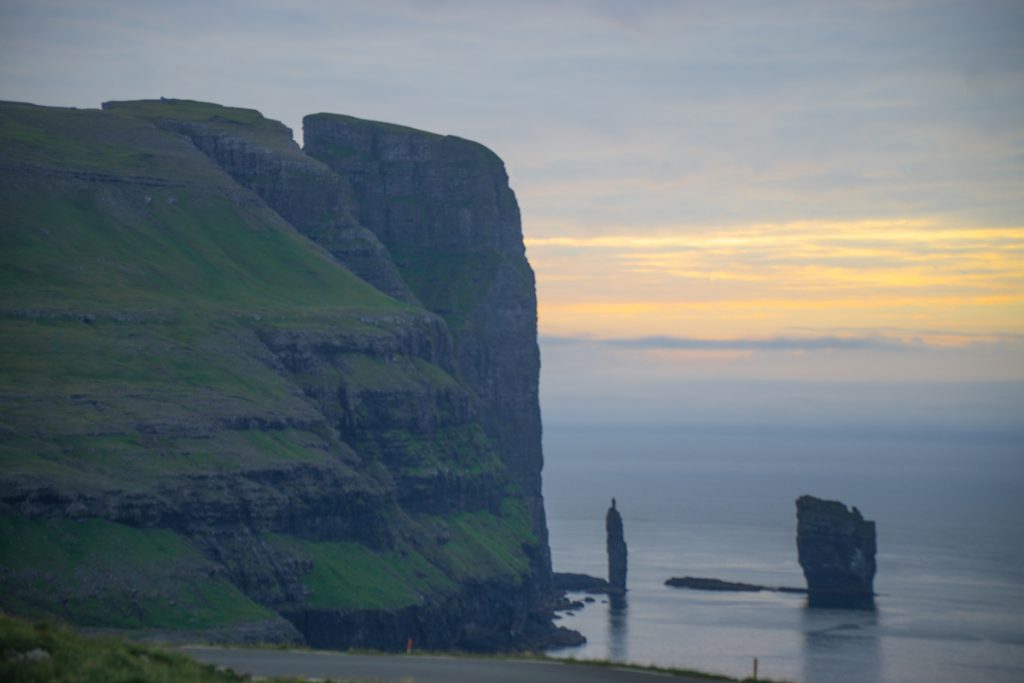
(836, 548)
(212, 429)
(443, 208)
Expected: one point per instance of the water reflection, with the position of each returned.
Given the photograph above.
(618, 628)
(866, 603)
(841, 644)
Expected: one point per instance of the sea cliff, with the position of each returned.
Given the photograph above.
(256, 392)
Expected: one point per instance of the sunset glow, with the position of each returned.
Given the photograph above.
(908, 278)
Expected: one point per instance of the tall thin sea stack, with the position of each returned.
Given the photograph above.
(836, 548)
(616, 550)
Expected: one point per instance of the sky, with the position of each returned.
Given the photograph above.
(764, 214)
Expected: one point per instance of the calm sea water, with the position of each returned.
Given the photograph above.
(950, 517)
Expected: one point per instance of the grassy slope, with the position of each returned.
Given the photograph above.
(91, 564)
(125, 304)
(127, 313)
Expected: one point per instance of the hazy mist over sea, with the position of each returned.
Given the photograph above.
(706, 471)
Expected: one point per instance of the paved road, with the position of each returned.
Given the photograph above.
(418, 669)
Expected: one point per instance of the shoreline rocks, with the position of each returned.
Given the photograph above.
(706, 584)
(580, 583)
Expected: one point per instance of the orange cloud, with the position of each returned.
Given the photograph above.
(914, 274)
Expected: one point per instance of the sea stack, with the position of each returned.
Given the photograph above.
(616, 550)
(836, 548)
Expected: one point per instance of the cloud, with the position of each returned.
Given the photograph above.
(761, 279)
(662, 343)
(639, 113)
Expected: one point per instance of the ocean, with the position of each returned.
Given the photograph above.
(950, 580)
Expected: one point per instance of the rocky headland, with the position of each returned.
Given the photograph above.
(258, 392)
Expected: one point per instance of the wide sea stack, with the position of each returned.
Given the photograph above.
(253, 392)
(836, 548)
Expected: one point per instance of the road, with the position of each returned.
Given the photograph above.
(418, 669)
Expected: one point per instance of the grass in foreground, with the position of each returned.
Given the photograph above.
(44, 652)
(47, 651)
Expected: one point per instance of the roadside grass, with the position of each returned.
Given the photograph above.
(678, 672)
(669, 671)
(43, 652)
(571, 661)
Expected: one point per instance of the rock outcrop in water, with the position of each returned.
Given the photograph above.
(582, 583)
(212, 429)
(836, 549)
(617, 554)
(707, 584)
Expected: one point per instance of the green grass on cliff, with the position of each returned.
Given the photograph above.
(462, 448)
(131, 309)
(63, 139)
(348, 575)
(484, 544)
(450, 283)
(104, 574)
(378, 374)
(453, 283)
(245, 123)
(442, 554)
(176, 252)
